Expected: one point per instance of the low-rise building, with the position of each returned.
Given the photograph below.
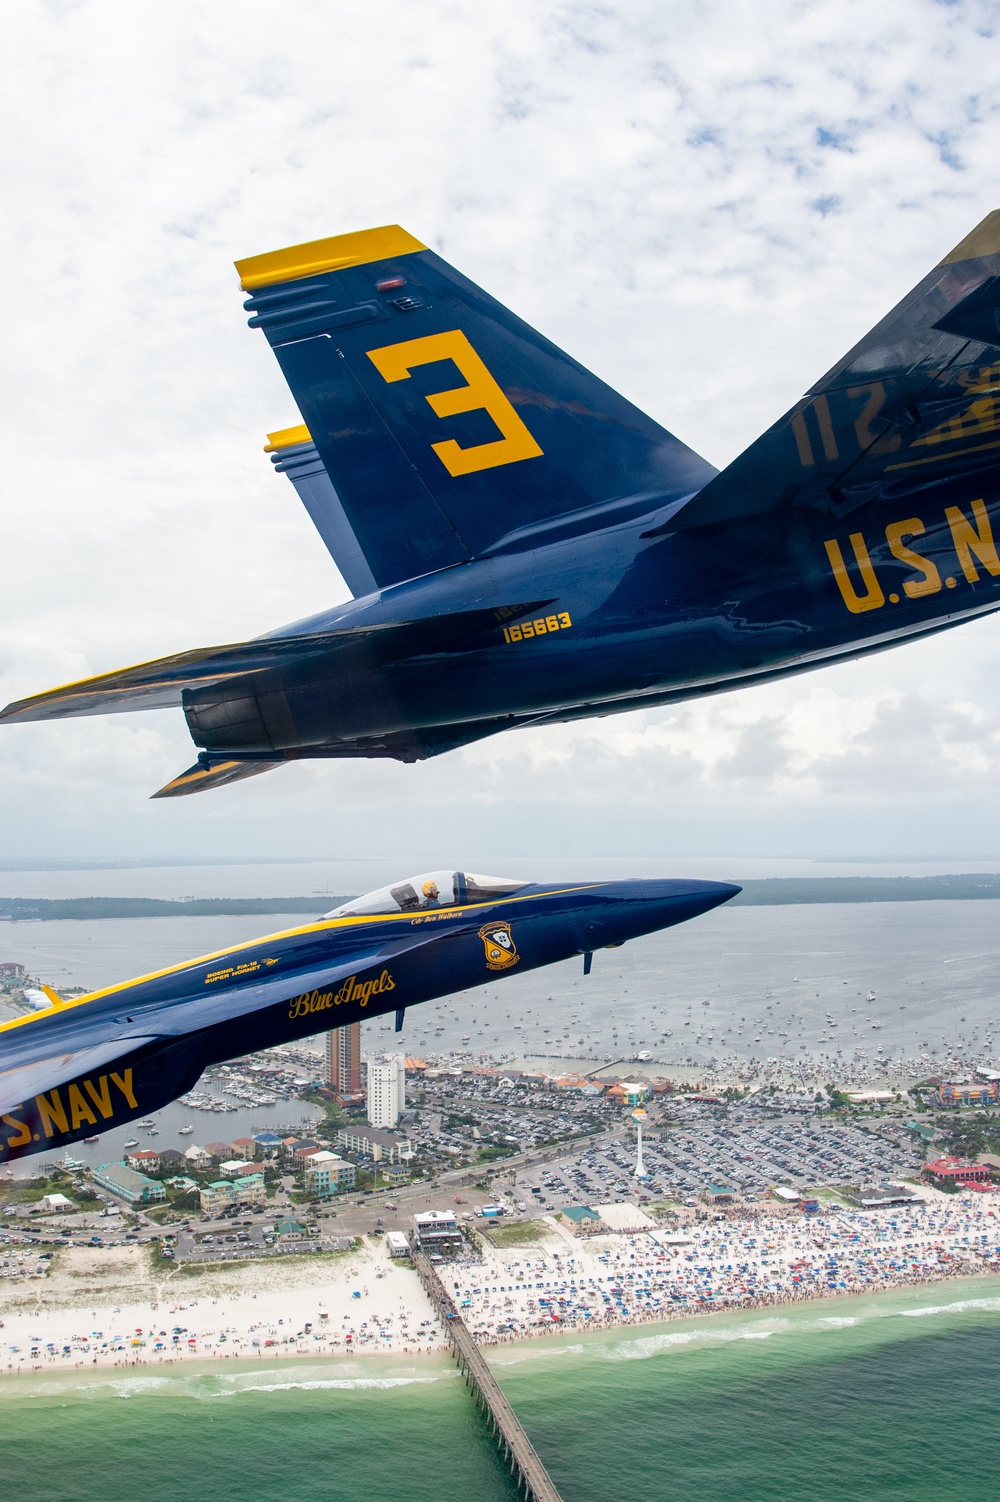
(57, 1203)
(396, 1244)
(719, 1194)
(948, 1173)
(328, 1173)
(236, 1168)
(144, 1161)
(219, 1150)
(583, 1219)
(965, 1093)
(883, 1196)
(394, 1173)
(437, 1233)
(376, 1143)
(197, 1156)
(268, 1143)
(301, 1147)
(249, 1190)
(289, 1229)
(134, 1188)
(217, 1196)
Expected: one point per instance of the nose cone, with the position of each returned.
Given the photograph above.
(631, 908)
(693, 896)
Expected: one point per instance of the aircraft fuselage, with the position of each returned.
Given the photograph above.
(640, 614)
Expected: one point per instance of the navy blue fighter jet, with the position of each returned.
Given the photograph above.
(524, 546)
(94, 1062)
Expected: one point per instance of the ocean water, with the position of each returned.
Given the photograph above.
(889, 1396)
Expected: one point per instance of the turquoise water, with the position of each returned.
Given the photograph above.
(890, 1396)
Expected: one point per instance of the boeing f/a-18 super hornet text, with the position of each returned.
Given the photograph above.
(101, 1060)
(525, 547)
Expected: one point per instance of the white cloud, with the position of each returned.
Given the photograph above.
(707, 204)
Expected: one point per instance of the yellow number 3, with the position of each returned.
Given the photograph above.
(394, 363)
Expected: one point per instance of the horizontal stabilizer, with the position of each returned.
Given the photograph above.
(202, 777)
(160, 684)
(918, 400)
(213, 771)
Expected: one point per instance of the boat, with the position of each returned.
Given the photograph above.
(185, 1131)
(870, 996)
(132, 1142)
(91, 1139)
(72, 1163)
(147, 1123)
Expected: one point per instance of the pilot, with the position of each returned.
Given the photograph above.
(432, 897)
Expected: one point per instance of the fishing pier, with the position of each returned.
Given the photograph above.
(518, 1452)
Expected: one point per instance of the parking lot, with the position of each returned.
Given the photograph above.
(747, 1156)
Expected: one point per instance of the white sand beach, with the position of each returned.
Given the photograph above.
(108, 1307)
(111, 1307)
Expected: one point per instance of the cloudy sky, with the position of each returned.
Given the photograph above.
(705, 206)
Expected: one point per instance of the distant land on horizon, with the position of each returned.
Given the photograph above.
(771, 891)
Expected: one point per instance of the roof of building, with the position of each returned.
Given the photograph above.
(956, 1168)
(323, 1158)
(381, 1135)
(580, 1212)
(430, 1218)
(127, 1178)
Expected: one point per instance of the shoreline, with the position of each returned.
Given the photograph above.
(438, 1360)
(118, 1313)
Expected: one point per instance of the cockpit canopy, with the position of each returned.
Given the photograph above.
(432, 889)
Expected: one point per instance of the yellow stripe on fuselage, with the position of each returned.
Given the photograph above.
(288, 933)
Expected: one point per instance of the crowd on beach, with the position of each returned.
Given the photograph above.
(719, 1265)
(372, 1305)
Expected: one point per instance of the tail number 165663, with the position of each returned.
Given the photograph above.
(543, 626)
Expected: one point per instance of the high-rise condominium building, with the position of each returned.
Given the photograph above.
(343, 1059)
(386, 1089)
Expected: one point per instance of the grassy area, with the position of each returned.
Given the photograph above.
(32, 1192)
(516, 1233)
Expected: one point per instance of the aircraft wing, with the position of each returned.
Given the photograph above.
(35, 1056)
(161, 683)
(20, 1081)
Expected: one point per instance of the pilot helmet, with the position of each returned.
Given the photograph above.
(430, 888)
